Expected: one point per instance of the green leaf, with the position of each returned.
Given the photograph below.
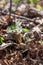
(35, 1)
(12, 27)
(25, 30)
(32, 1)
(1, 39)
(38, 6)
(15, 1)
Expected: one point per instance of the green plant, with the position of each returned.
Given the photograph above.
(25, 30)
(17, 28)
(38, 6)
(1, 39)
(32, 1)
(11, 28)
(15, 1)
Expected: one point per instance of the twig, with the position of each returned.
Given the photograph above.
(21, 17)
(10, 7)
